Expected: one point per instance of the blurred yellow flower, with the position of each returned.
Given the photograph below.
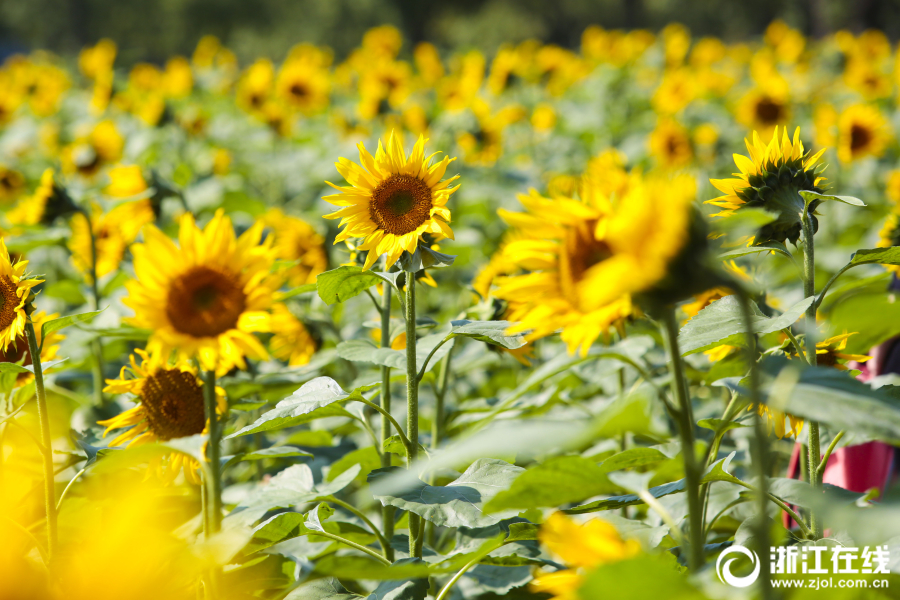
(21, 354)
(292, 342)
(12, 184)
(862, 131)
(543, 118)
(297, 240)
(205, 297)
(392, 199)
(113, 232)
(670, 144)
(96, 61)
(126, 181)
(102, 146)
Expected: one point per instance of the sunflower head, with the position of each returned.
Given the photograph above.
(393, 199)
(49, 201)
(15, 299)
(771, 178)
(862, 131)
(206, 297)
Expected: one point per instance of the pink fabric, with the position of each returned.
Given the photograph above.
(856, 468)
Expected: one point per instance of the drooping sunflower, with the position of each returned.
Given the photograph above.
(584, 259)
(113, 232)
(20, 353)
(206, 296)
(170, 406)
(297, 240)
(292, 342)
(862, 131)
(581, 547)
(15, 289)
(393, 198)
(771, 178)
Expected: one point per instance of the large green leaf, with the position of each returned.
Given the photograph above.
(365, 351)
(631, 458)
(344, 283)
(872, 312)
(461, 502)
(722, 322)
(809, 196)
(490, 332)
(879, 256)
(770, 246)
(557, 481)
(313, 400)
(62, 322)
(645, 576)
(328, 588)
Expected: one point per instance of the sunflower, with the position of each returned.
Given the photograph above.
(113, 233)
(763, 109)
(206, 298)
(296, 240)
(37, 208)
(171, 406)
(585, 258)
(19, 352)
(292, 341)
(580, 547)
(126, 181)
(670, 144)
(12, 183)
(95, 61)
(102, 146)
(255, 86)
(392, 199)
(862, 131)
(15, 289)
(775, 419)
(830, 353)
(772, 178)
(303, 85)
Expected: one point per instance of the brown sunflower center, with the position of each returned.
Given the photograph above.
(582, 251)
(14, 354)
(859, 137)
(173, 402)
(400, 204)
(10, 300)
(205, 302)
(769, 112)
(299, 90)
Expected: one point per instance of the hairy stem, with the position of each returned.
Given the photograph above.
(412, 402)
(213, 454)
(809, 289)
(686, 432)
(387, 512)
(46, 442)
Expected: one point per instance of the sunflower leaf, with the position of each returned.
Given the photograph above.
(722, 322)
(880, 256)
(424, 258)
(770, 246)
(809, 196)
(56, 324)
(367, 352)
(489, 332)
(344, 283)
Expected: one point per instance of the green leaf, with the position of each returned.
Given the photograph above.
(645, 576)
(274, 452)
(56, 324)
(879, 256)
(627, 499)
(873, 313)
(719, 424)
(303, 289)
(522, 532)
(344, 283)
(366, 351)
(276, 529)
(489, 332)
(461, 502)
(312, 401)
(424, 258)
(722, 322)
(809, 196)
(718, 471)
(631, 458)
(395, 446)
(769, 246)
(291, 487)
(557, 481)
(322, 589)
(317, 516)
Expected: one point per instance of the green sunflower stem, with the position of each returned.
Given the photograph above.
(96, 344)
(686, 432)
(387, 512)
(809, 289)
(213, 455)
(758, 448)
(46, 442)
(412, 402)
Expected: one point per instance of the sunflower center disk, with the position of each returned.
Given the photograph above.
(15, 353)
(859, 137)
(204, 302)
(581, 252)
(769, 112)
(173, 402)
(8, 302)
(401, 204)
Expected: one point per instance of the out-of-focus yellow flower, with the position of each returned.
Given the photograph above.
(862, 131)
(775, 419)
(21, 354)
(177, 79)
(32, 210)
(297, 240)
(677, 90)
(221, 161)
(543, 118)
(206, 298)
(392, 199)
(787, 43)
(581, 547)
(303, 84)
(763, 109)
(255, 85)
(101, 147)
(291, 342)
(126, 181)
(113, 233)
(96, 61)
(585, 257)
(484, 145)
(385, 84)
(12, 184)
(460, 88)
(383, 41)
(429, 66)
(670, 144)
(676, 42)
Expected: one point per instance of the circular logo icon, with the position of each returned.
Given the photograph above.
(723, 567)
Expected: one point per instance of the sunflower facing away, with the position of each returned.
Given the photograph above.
(771, 178)
(206, 296)
(15, 289)
(585, 259)
(392, 199)
(171, 406)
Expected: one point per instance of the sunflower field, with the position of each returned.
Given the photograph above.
(544, 324)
